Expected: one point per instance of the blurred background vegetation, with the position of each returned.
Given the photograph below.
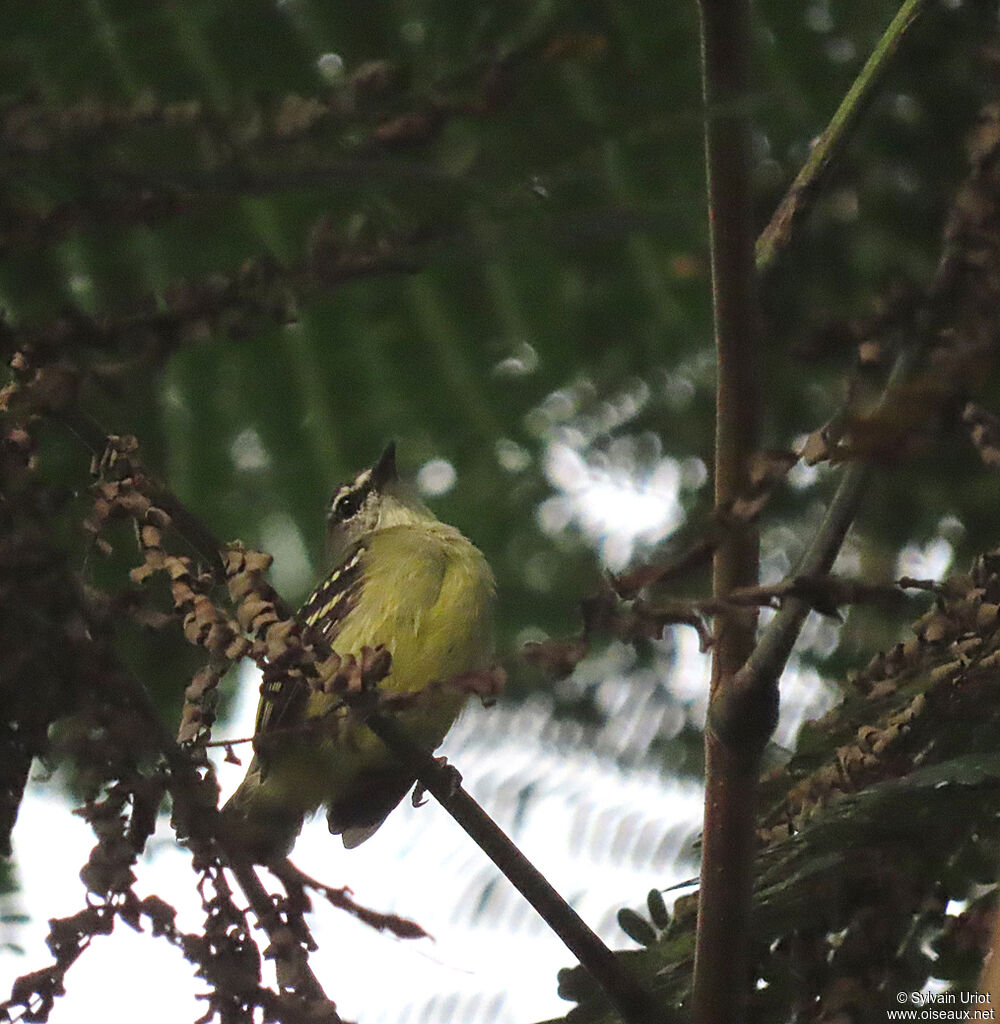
(199, 198)
(275, 235)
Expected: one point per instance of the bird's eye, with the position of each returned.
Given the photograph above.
(348, 504)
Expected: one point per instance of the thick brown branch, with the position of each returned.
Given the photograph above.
(730, 770)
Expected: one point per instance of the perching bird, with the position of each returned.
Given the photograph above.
(402, 579)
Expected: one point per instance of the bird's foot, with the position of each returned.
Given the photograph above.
(449, 773)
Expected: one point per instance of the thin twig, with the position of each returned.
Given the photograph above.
(831, 143)
(292, 964)
(183, 781)
(764, 666)
(769, 657)
(183, 522)
(296, 881)
(628, 585)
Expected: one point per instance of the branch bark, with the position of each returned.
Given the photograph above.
(731, 762)
(744, 696)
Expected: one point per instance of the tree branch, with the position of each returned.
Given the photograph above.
(184, 523)
(768, 659)
(294, 973)
(731, 770)
(804, 189)
(744, 701)
(765, 665)
(444, 783)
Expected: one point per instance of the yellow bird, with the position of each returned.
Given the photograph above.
(402, 579)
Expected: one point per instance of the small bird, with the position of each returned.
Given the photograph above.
(401, 579)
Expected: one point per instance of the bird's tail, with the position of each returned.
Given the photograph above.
(256, 823)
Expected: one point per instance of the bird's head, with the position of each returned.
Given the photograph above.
(374, 500)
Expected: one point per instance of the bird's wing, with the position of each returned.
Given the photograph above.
(332, 601)
(283, 699)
